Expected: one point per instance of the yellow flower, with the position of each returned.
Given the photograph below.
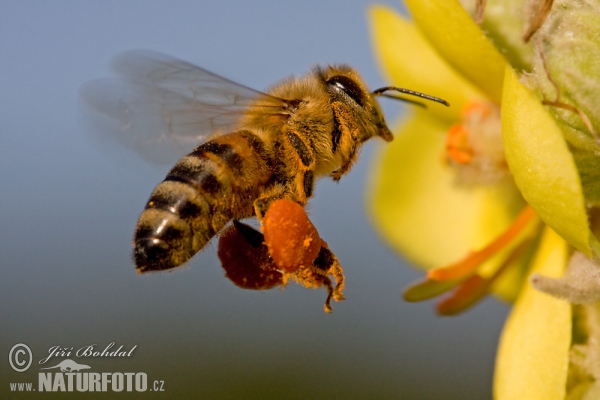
(418, 205)
(464, 190)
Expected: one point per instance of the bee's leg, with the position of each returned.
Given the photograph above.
(341, 171)
(302, 151)
(328, 262)
(295, 183)
(296, 248)
(317, 275)
(327, 283)
(298, 190)
(344, 139)
(262, 204)
(302, 179)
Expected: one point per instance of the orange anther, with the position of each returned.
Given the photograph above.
(475, 106)
(470, 263)
(458, 146)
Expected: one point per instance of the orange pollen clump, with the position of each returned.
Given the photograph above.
(458, 146)
(307, 241)
(292, 240)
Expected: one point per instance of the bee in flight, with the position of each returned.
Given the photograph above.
(253, 148)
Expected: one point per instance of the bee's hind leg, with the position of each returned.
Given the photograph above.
(263, 203)
(296, 247)
(328, 262)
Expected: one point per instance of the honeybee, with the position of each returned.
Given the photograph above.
(252, 148)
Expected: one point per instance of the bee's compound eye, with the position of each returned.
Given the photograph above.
(348, 86)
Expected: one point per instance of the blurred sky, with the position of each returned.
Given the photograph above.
(69, 206)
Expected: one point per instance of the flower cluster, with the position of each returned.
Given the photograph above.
(505, 184)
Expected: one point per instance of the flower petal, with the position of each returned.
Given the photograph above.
(418, 207)
(409, 61)
(542, 165)
(533, 355)
(461, 42)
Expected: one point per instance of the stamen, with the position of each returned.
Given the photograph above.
(479, 8)
(474, 146)
(476, 287)
(467, 294)
(468, 264)
(476, 106)
(458, 146)
(427, 289)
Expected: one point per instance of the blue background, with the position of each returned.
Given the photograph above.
(68, 208)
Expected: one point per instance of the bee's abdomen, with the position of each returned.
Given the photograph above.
(205, 190)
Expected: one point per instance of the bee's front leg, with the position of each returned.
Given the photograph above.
(341, 171)
(346, 139)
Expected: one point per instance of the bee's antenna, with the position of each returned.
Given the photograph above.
(381, 92)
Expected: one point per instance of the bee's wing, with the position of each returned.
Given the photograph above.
(164, 107)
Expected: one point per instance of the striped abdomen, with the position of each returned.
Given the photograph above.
(217, 182)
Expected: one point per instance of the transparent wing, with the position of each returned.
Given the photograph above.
(163, 107)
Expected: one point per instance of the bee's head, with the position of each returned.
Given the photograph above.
(347, 87)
